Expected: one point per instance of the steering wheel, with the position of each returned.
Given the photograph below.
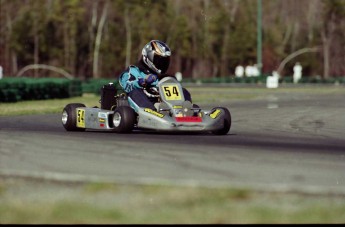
(151, 92)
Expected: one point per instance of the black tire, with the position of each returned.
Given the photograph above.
(124, 119)
(69, 117)
(226, 125)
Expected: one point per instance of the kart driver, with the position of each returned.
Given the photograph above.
(152, 65)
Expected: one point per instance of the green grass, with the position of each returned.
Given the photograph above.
(45, 106)
(104, 203)
(223, 94)
(200, 95)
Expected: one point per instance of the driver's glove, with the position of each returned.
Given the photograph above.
(149, 79)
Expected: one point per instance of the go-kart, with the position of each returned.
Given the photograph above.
(173, 113)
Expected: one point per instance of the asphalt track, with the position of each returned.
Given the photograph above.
(280, 142)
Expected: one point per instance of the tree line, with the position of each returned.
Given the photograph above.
(208, 38)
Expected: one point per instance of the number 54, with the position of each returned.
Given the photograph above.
(172, 92)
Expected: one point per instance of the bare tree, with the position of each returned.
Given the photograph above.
(36, 41)
(231, 8)
(8, 15)
(99, 39)
(128, 37)
(327, 34)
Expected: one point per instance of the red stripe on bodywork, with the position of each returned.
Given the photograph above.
(188, 119)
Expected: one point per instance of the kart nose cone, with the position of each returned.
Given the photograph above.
(187, 108)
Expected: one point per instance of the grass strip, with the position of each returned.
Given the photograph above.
(200, 95)
(105, 203)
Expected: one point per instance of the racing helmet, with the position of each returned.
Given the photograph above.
(156, 56)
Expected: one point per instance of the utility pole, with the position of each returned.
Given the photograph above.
(259, 35)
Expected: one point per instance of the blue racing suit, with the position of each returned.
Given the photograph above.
(130, 81)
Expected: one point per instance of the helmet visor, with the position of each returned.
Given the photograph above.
(161, 63)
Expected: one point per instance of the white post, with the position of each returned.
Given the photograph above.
(1, 72)
(297, 72)
(273, 81)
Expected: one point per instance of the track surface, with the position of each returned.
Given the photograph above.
(283, 141)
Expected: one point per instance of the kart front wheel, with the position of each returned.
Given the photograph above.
(124, 119)
(69, 117)
(226, 124)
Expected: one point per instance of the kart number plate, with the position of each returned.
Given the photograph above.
(172, 92)
(80, 118)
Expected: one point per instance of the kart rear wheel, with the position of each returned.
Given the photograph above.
(124, 119)
(69, 117)
(226, 125)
